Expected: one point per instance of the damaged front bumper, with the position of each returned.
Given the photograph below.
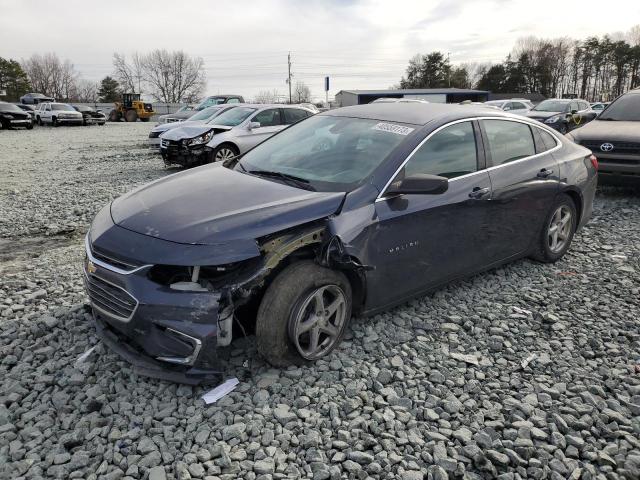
(164, 333)
(174, 153)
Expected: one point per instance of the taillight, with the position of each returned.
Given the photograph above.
(594, 161)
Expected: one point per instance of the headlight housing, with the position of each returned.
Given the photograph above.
(554, 119)
(7, 115)
(199, 140)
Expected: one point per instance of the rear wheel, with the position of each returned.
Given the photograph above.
(114, 116)
(563, 128)
(30, 126)
(131, 116)
(303, 314)
(557, 231)
(224, 152)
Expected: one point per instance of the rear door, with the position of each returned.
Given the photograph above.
(419, 241)
(524, 179)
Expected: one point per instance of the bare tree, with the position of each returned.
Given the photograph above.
(86, 91)
(174, 77)
(130, 75)
(266, 96)
(301, 93)
(48, 74)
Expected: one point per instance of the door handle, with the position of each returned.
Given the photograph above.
(544, 173)
(479, 192)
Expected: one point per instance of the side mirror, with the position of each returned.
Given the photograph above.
(253, 125)
(419, 184)
(573, 112)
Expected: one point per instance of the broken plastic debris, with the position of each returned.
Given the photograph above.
(82, 358)
(528, 360)
(465, 358)
(220, 391)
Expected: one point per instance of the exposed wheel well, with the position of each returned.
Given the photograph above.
(577, 201)
(229, 145)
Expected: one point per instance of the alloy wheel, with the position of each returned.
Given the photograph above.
(319, 322)
(224, 154)
(559, 229)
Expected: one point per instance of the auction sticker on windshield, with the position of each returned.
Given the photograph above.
(390, 127)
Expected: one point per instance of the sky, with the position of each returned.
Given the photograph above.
(359, 44)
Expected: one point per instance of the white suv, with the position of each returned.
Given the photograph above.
(519, 106)
(57, 114)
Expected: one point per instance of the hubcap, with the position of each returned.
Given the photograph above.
(224, 154)
(559, 229)
(319, 322)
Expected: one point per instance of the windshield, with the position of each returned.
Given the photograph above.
(625, 108)
(205, 114)
(551, 106)
(60, 106)
(9, 107)
(234, 117)
(331, 153)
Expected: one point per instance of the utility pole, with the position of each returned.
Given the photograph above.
(449, 68)
(289, 79)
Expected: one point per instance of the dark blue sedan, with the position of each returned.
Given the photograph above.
(348, 212)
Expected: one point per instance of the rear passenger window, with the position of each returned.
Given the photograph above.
(293, 115)
(449, 153)
(508, 141)
(548, 139)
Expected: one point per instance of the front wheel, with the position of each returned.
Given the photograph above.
(30, 126)
(563, 128)
(224, 152)
(54, 121)
(303, 314)
(557, 231)
(39, 121)
(131, 116)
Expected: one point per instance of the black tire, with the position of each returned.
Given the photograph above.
(220, 150)
(30, 126)
(563, 128)
(131, 115)
(114, 116)
(544, 251)
(281, 303)
(54, 121)
(39, 121)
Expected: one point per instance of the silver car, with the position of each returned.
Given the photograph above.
(233, 133)
(519, 106)
(199, 118)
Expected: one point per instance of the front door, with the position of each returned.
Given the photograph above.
(270, 121)
(420, 241)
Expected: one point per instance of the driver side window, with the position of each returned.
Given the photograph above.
(449, 153)
(268, 118)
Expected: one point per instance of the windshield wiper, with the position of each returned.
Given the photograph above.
(298, 181)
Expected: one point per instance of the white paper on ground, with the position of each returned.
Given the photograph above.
(220, 391)
(84, 356)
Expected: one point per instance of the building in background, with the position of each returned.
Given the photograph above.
(345, 98)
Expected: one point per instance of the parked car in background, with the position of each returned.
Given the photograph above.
(11, 116)
(30, 109)
(563, 115)
(614, 136)
(202, 117)
(90, 116)
(519, 106)
(176, 116)
(399, 100)
(336, 216)
(231, 134)
(35, 98)
(309, 106)
(207, 102)
(57, 114)
(598, 107)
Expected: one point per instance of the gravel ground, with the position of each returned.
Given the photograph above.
(527, 371)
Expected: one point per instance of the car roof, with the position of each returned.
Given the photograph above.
(415, 113)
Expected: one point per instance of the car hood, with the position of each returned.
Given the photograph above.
(610, 131)
(214, 205)
(539, 114)
(163, 127)
(191, 131)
